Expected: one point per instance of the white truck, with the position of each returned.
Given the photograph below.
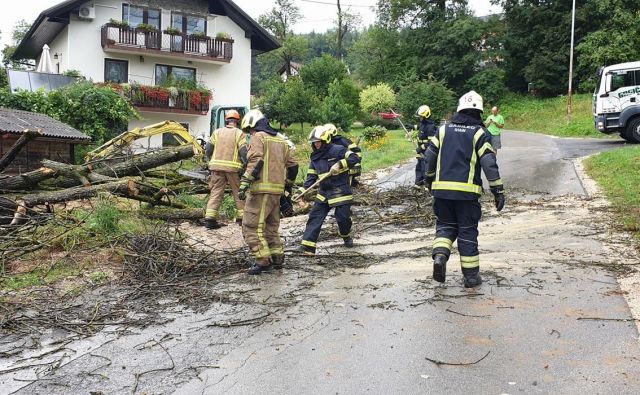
(616, 100)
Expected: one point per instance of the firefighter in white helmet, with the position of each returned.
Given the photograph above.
(454, 158)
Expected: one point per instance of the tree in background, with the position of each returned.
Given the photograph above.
(279, 21)
(617, 41)
(19, 31)
(345, 22)
(340, 106)
(378, 55)
(431, 92)
(288, 102)
(489, 82)
(320, 72)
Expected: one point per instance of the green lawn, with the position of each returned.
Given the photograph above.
(549, 116)
(618, 173)
(393, 149)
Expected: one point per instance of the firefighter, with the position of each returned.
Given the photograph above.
(426, 129)
(337, 138)
(454, 158)
(227, 150)
(333, 162)
(270, 165)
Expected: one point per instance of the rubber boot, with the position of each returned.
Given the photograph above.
(348, 242)
(239, 221)
(260, 266)
(439, 267)
(277, 261)
(472, 277)
(211, 223)
(306, 250)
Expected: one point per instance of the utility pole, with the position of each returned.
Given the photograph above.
(573, 26)
(340, 35)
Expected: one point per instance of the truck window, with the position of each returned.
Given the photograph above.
(624, 78)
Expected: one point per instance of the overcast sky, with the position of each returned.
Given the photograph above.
(318, 15)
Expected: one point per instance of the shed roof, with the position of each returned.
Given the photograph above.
(17, 121)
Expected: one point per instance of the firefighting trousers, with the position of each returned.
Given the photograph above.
(218, 182)
(261, 224)
(316, 218)
(421, 169)
(458, 219)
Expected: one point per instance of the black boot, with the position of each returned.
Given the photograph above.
(306, 250)
(211, 223)
(257, 268)
(439, 267)
(277, 261)
(348, 242)
(472, 277)
(239, 221)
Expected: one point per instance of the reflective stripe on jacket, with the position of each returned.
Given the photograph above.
(227, 143)
(334, 190)
(453, 159)
(276, 155)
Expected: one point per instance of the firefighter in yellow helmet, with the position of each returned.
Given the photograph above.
(227, 153)
(330, 163)
(270, 165)
(426, 129)
(454, 157)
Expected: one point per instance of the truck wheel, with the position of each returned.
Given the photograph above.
(632, 133)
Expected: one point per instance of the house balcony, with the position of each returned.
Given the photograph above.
(124, 39)
(165, 100)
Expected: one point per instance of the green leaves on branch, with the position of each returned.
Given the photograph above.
(97, 111)
(431, 92)
(377, 98)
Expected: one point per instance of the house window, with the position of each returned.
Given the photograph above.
(188, 24)
(135, 15)
(116, 71)
(174, 75)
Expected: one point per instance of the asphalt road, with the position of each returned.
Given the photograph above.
(550, 317)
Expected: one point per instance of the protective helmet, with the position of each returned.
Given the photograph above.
(470, 101)
(232, 114)
(424, 111)
(331, 128)
(320, 133)
(251, 119)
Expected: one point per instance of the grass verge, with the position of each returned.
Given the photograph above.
(548, 116)
(618, 173)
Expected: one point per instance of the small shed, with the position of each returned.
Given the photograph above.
(56, 142)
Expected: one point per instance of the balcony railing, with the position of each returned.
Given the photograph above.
(160, 42)
(160, 99)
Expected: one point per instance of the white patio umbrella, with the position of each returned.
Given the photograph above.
(45, 65)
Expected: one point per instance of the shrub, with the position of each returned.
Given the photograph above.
(374, 133)
(105, 217)
(377, 98)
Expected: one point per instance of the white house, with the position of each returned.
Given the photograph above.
(149, 46)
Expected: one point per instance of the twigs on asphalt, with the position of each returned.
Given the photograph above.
(438, 363)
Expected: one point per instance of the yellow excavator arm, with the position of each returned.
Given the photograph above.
(123, 141)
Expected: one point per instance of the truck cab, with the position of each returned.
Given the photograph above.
(616, 101)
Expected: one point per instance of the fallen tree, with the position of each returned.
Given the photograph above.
(87, 174)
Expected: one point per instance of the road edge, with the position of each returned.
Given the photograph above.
(629, 284)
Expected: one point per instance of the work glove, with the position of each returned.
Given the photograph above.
(244, 188)
(498, 196)
(419, 150)
(286, 207)
(335, 169)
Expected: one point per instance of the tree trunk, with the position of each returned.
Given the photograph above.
(340, 35)
(129, 189)
(90, 173)
(27, 136)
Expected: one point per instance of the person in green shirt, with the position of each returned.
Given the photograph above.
(495, 124)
